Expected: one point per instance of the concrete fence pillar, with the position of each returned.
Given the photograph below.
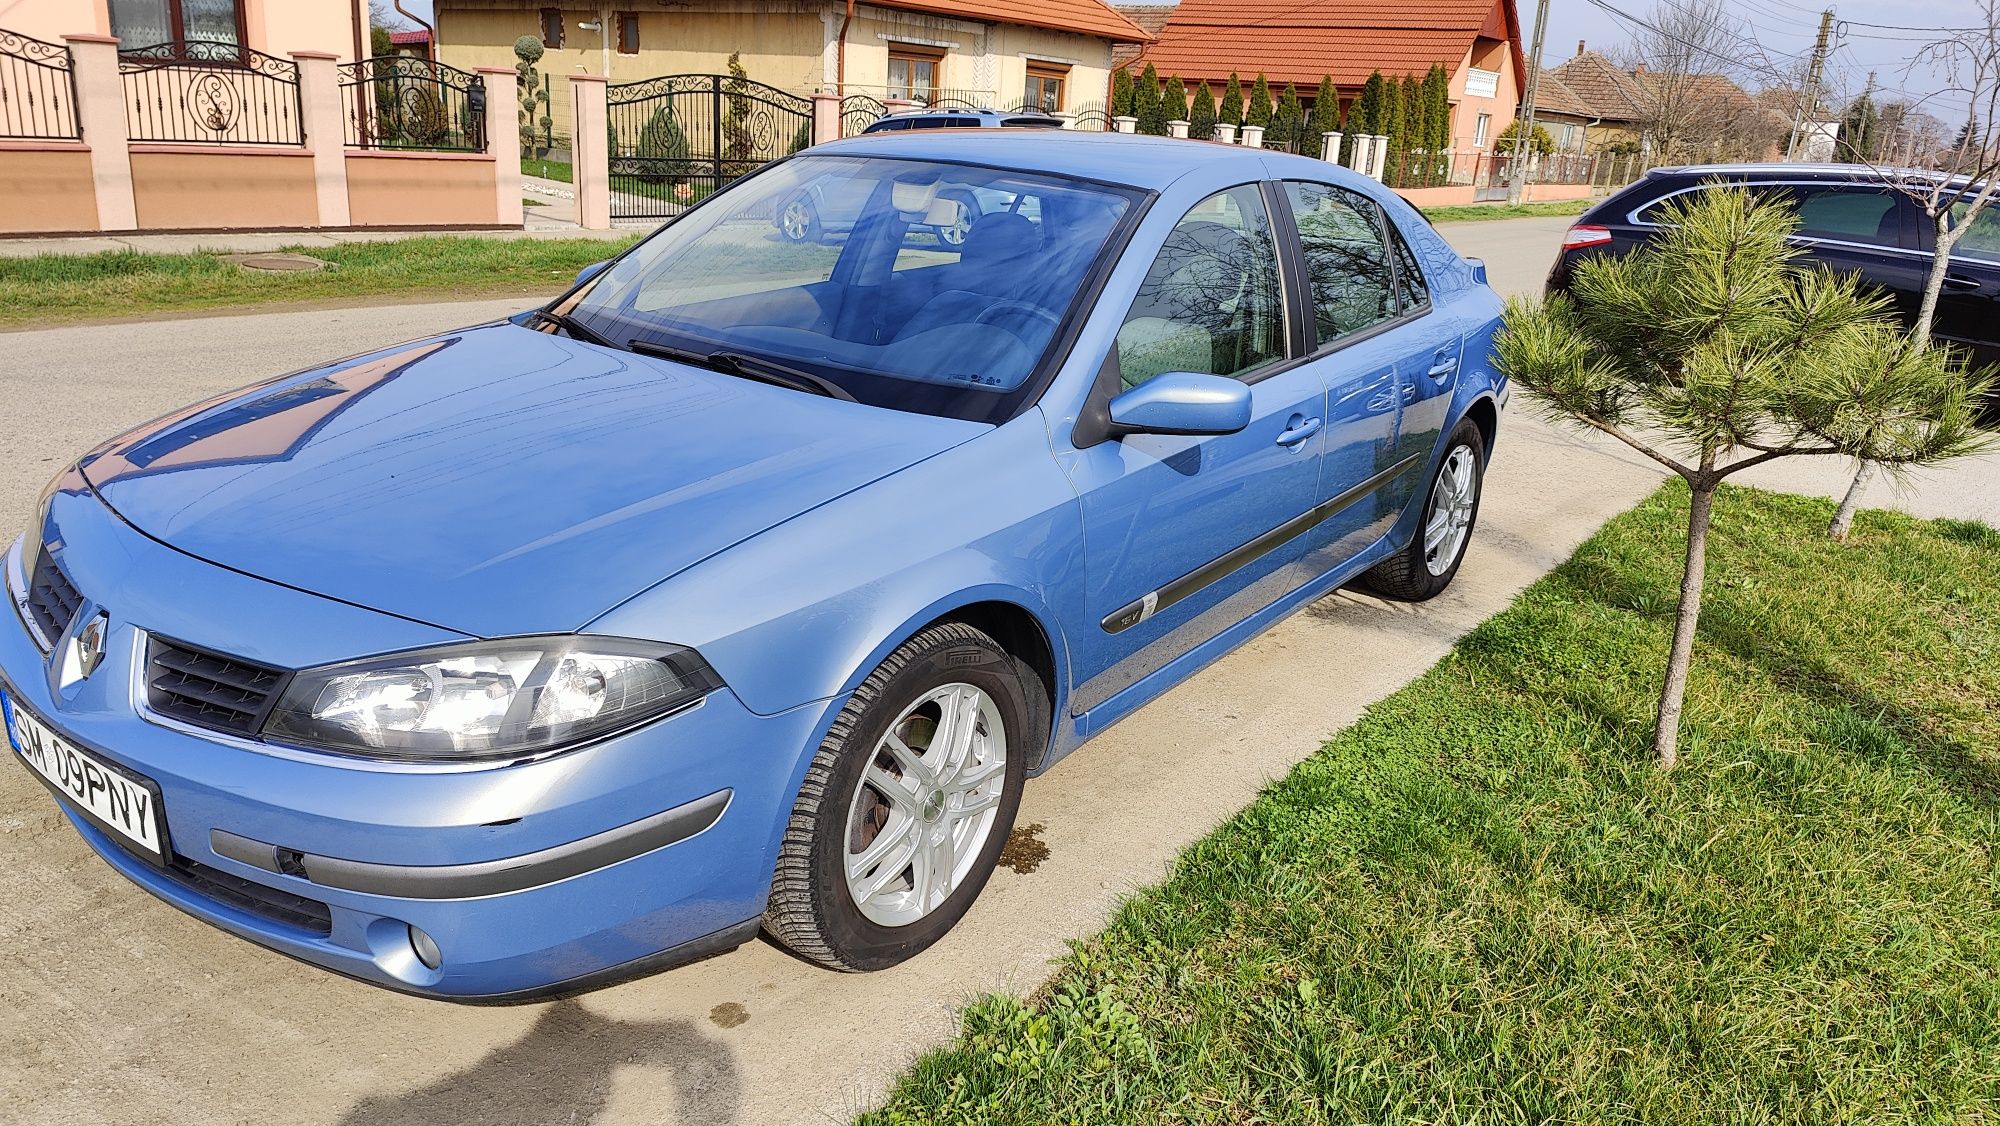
(1253, 136)
(1177, 129)
(503, 142)
(1329, 147)
(1067, 118)
(1381, 150)
(1126, 123)
(322, 117)
(590, 152)
(898, 105)
(1225, 132)
(100, 111)
(1357, 152)
(826, 117)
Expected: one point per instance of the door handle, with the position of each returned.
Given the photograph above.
(1299, 431)
(1445, 365)
(1960, 281)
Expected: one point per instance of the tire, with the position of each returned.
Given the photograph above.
(798, 221)
(1419, 572)
(821, 907)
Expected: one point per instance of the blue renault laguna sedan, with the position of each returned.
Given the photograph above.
(744, 586)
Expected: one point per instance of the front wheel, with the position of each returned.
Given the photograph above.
(1426, 567)
(908, 802)
(798, 222)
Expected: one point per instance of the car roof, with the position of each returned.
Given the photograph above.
(1858, 173)
(1133, 159)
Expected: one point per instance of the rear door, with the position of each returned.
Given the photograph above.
(1388, 357)
(1869, 230)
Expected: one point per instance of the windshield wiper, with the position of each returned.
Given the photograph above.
(748, 367)
(575, 328)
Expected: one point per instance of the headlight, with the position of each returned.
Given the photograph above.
(38, 523)
(488, 699)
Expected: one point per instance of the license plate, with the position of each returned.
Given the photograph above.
(110, 797)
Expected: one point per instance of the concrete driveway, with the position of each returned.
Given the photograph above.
(120, 1009)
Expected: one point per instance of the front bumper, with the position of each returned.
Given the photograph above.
(532, 877)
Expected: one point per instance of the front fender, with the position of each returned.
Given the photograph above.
(804, 610)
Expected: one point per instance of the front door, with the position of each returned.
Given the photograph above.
(1968, 312)
(1184, 536)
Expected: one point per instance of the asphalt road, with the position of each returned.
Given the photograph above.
(120, 1009)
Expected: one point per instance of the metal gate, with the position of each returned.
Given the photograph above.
(677, 138)
(858, 112)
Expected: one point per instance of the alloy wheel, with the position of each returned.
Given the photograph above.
(925, 805)
(796, 221)
(1448, 519)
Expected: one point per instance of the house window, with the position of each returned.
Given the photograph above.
(913, 74)
(1480, 128)
(1045, 86)
(628, 33)
(552, 28)
(149, 23)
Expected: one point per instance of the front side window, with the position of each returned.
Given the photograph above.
(1981, 242)
(1210, 303)
(1870, 217)
(913, 75)
(149, 23)
(932, 288)
(1347, 263)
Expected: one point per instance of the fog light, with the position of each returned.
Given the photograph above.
(426, 948)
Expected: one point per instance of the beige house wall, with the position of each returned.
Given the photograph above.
(1088, 59)
(276, 27)
(48, 187)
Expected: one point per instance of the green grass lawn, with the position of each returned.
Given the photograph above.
(1481, 211)
(1483, 904)
(56, 288)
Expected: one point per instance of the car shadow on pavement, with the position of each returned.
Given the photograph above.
(562, 1070)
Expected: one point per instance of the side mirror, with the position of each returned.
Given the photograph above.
(591, 271)
(1182, 402)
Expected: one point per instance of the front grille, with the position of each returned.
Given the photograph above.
(207, 689)
(294, 911)
(52, 598)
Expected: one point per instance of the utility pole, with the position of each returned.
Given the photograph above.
(1524, 117)
(1809, 97)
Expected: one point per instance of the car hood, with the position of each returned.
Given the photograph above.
(497, 480)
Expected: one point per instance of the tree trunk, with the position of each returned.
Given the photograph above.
(1667, 729)
(1946, 237)
(1843, 517)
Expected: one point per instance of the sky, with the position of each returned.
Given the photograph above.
(1782, 29)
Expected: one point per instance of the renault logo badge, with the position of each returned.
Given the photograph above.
(90, 645)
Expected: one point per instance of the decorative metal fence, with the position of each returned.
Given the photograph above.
(677, 138)
(37, 90)
(858, 112)
(206, 92)
(1091, 117)
(403, 102)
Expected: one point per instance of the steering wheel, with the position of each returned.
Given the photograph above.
(1004, 309)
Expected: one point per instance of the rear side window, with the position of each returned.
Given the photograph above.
(1411, 292)
(1347, 263)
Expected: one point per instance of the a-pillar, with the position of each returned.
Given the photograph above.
(826, 117)
(100, 112)
(325, 133)
(503, 141)
(590, 153)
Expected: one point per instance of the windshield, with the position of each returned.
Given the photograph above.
(908, 284)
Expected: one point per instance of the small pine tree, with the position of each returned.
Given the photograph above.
(1716, 349)
(1121, 93)
(1541, 143)
(1174, 102)
(1259, 109)
(1231, 110)
(1857, 130)
(1146, 103)
(1201, 113)
(1398, 143)
(1325, 115)
(739, 146)
(1288, 121)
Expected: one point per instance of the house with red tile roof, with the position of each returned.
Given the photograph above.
(1476, 41)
